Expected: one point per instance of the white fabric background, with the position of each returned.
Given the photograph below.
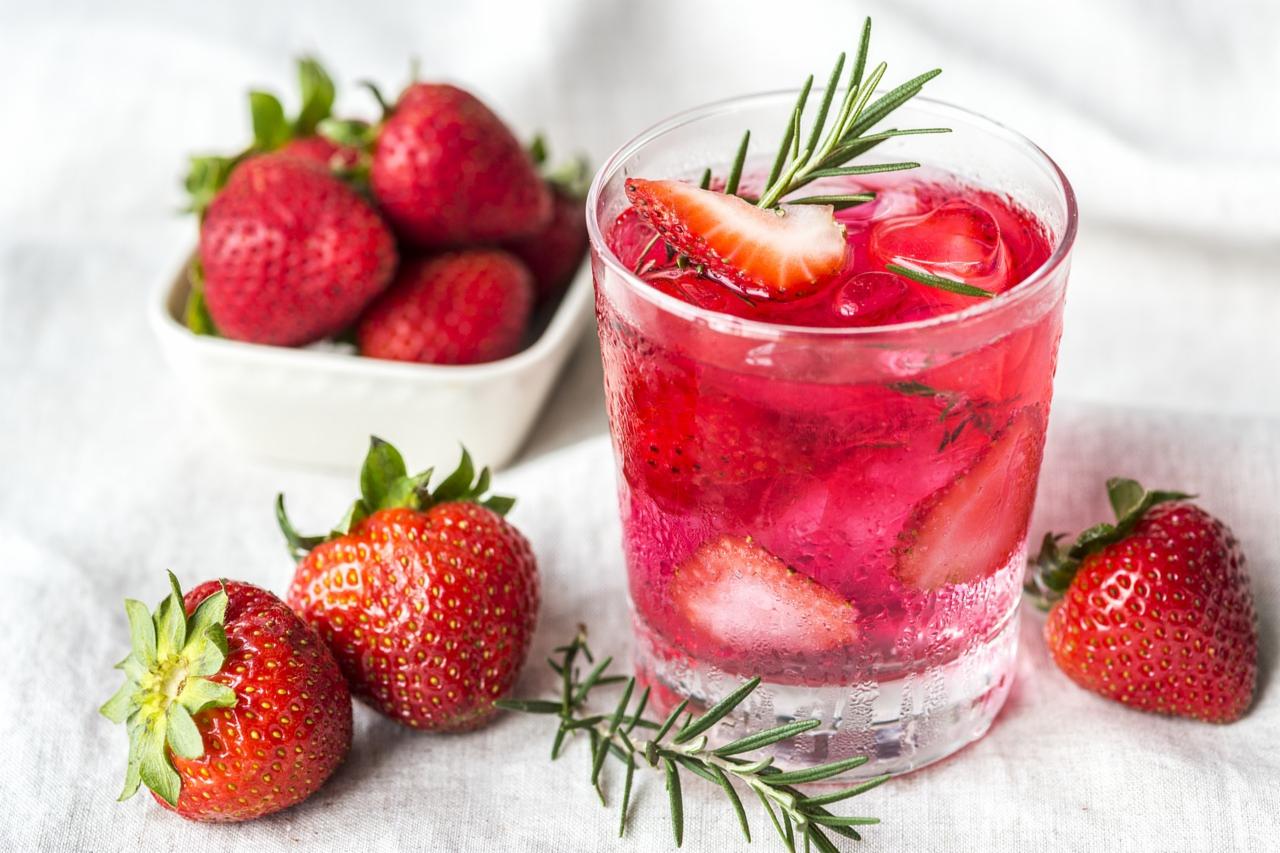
(1164, 115)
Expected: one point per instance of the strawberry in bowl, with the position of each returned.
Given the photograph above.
(447, 171)
(289, 254)
(352, 276)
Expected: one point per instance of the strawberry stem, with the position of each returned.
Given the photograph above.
(383, 104)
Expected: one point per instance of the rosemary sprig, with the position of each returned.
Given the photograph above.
(940, 282)
(680, 743)
(829, 145)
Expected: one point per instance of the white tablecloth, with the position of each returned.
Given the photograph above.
(108, 476)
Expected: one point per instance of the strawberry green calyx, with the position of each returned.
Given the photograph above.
(352, 132)
(166, 685)
(318, 95)
(357, 133)
(271, 130)
(572, 177)
(196, 312)
(1052, 571)
(385, 483)
(206, 176)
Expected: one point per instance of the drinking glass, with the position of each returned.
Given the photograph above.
(774, 480)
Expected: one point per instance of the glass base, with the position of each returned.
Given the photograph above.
(902, 724)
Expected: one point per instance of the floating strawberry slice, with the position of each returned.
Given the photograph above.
(733, 598)
(783, 254)
(970, 527)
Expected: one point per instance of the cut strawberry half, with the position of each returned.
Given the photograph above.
(771, 254)
(972, 526)
(733, 599)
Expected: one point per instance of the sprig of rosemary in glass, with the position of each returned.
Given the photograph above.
(827, 148)
(679, 742)
(940, 282)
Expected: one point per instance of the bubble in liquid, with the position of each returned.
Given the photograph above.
(869, 298)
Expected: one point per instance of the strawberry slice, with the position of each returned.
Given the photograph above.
(971, 527)
(734, 599)
(782, 255)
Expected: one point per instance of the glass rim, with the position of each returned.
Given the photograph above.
(1027, 289)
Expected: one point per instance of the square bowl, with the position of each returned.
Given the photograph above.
(318, 408)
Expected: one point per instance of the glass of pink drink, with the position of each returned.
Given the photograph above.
(833, 492)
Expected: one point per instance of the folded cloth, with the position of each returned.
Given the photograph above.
(1061, 769)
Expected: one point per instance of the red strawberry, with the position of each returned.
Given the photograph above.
(1153, 611)
(732, 598)
(427, 598)
(783, 254)
(235, 708)
(273, 131)
(554, 254)
(290, 254)
(973, 526)
(322, 151)
(447, 171)
(461, 307)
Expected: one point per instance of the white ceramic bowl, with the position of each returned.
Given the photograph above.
(318, 408)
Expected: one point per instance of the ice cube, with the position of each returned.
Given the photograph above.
(956, 239)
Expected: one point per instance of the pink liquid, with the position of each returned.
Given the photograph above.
(904, 494)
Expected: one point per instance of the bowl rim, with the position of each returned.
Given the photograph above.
(566, 322)
(1031, 286)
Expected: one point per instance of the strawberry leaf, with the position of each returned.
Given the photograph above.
(386, 484)
(1125, 495)
(155, 767)
(298, 545)
(196, 312)
(210, 614)
(205, 177)
(501, 504)
(351, 132)
(182, 735)
(383, 469)
(538, 150)
(383, 104)
(200, 694)
(456, 485)
(357, 513)
(270, 130)
(116, 709)
(133, 775)
(142, 631)
(317, 96)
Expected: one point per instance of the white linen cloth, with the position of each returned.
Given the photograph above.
(1163, 115)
